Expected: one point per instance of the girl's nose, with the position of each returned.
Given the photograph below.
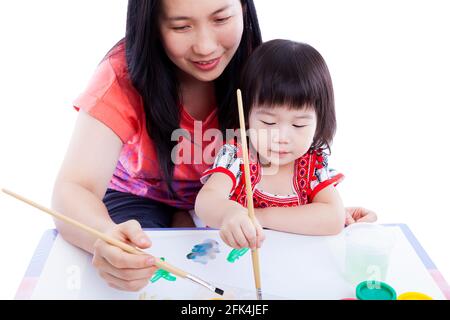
(205, 43)
(280, 136)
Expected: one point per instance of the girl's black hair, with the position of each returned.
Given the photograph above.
(153, 75)
(283, 72)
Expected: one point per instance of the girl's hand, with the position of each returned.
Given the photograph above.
(120, 269)
(359, 214)
(238, 231)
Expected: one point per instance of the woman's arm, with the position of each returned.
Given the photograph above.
(78, 192)
(324, 216)
(83, 178)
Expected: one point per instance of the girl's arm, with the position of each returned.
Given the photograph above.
(324, 216)
(212, 202)
(213, 206)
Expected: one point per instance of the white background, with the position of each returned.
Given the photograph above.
(389, 60)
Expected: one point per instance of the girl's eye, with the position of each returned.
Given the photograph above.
(299, 126)
(222, 20)
(268, 123)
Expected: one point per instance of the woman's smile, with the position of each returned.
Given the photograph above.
(207, 65)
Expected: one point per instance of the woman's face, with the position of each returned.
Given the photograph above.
(201, 36)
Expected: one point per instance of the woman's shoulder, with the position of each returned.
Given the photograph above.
(111, 98)
(116, 60)
(110, 72)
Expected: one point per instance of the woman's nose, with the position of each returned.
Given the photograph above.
(205, 43)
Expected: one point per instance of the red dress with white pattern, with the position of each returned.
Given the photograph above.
(311, 175)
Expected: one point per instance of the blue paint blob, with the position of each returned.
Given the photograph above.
(204, 251)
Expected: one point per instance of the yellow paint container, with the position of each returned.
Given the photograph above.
(414, 296)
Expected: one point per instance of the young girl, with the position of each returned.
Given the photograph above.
(288, 101)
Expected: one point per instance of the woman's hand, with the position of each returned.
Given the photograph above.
(120, 269)
(359, 214)
(238, 231)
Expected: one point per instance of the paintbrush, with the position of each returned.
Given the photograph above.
(249, 191)
(124, 246)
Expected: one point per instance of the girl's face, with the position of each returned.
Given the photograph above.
(201, 36)
(281, 135)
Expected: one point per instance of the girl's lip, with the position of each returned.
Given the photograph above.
(280, 153)
(207, 66)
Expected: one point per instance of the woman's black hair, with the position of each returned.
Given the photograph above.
(154, 76)
(293, 74)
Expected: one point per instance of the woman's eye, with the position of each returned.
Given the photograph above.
(222, 20)
(268, 123)
(182, 28)
(299, 126)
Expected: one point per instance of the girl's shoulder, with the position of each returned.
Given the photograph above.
(229, 154)
(317, 156)
(228, 149)
(234, 147)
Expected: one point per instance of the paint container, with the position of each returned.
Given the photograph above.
(368, 248)
(373, 290)
(414, 296)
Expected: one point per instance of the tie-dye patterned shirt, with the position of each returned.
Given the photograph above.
(111, 98)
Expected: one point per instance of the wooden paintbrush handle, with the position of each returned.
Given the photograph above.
(248, 187)
(126, 247)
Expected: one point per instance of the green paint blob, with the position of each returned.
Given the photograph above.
(236, 254)
(160, 273)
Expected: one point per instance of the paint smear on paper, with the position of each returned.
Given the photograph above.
(236, 254)
(160, 273)
(204, 252)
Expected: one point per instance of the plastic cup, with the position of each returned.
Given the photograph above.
(367, 252)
